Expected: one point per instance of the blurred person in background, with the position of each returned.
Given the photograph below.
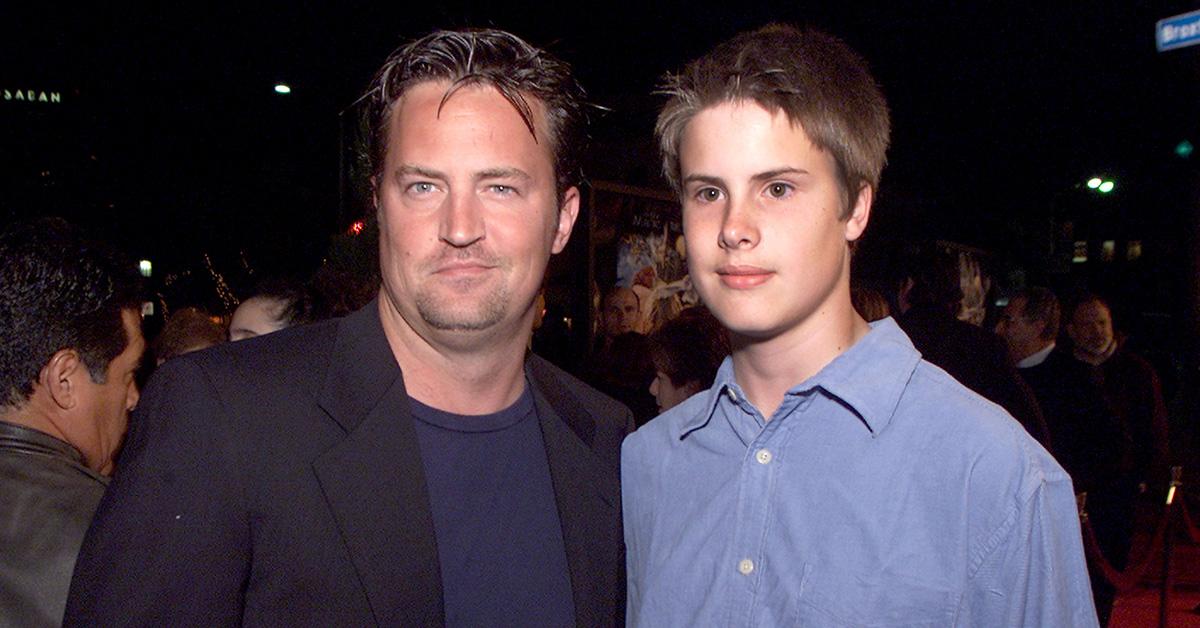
(686, 351)
(70, 343)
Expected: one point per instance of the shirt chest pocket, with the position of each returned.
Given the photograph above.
(830, 597)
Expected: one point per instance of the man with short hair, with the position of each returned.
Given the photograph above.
(621, 313)
(1029, 326)
(407, 465)
(70, 344)
(829, 477)
(1132, 451)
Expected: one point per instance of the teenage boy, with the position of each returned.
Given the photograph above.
(829, 476)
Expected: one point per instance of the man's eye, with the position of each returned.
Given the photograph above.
(779, 190)
(503, 190)
(421, 187)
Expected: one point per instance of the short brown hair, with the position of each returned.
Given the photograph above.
(484, 57)
(1041, 306)
(814, 78)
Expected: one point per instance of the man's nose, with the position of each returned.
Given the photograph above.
(462, 221)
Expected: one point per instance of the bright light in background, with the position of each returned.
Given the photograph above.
(1094, 182)
(282, 88)
(357, 227)
(1184, 149)
(1106, 187)
(145, 267)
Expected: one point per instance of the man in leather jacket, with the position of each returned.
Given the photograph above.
(70, 343)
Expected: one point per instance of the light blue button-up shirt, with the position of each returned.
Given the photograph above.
(881, 493)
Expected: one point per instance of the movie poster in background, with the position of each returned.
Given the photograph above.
(639, 245)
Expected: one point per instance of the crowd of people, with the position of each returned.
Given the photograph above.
(821, 455)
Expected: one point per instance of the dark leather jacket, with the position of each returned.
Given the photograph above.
(47, 498)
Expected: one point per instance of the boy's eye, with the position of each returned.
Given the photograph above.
(779, 190)
(709, 194)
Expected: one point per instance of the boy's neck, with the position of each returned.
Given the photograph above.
(766, 369)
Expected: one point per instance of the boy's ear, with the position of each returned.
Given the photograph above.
(860, 213)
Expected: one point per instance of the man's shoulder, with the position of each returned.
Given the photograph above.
(549, 376)
(610, 420)
(296, 357)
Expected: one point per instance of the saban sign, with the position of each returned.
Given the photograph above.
(30, 95)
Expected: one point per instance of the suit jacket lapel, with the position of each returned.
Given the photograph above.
(585, 489)
(374, 481)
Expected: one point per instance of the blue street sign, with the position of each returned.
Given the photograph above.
(1178, 31)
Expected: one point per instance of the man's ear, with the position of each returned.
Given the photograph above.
(860, 213)
(568, 211)
(60, 377)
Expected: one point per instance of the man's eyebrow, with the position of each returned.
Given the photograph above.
(503, 173)
(404, 170)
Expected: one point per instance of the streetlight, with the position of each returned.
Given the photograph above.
(283, 88)
(1101, 185)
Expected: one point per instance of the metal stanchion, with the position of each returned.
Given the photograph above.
(1164, 596)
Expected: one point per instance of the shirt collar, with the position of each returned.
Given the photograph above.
(869, 378)
(1036, 358)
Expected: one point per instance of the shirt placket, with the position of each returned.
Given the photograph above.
(757, 481)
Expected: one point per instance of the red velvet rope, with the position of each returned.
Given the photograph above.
(1125, 581)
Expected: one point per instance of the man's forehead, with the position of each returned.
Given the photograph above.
(447, 91)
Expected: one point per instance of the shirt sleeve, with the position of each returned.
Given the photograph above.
(1033, 572)
(170, 543)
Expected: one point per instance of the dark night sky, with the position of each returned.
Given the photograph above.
(997, 111)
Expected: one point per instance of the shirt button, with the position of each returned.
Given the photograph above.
(732, 394)
(763, 456)
(746, 567)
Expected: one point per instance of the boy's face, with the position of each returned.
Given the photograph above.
(761, 205)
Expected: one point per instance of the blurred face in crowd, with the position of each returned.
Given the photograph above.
(667, 394)
(257, 316)
(1091, 327)
(762, 206)
(468, 212)
(100, 418)
(620, 312)
(1023, 336)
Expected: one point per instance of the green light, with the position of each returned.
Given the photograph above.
(283, 88)
(1106, 187)
(1184, 149)
(145, 267)
(1094, 182)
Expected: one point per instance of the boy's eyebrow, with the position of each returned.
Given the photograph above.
(771, 174)
(703, 178)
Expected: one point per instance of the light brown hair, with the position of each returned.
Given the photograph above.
(814, 78)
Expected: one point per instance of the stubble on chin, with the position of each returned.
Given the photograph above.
(439, 308)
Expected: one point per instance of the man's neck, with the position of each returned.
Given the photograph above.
(482, 375)
(1096, 359)
(1036, 357)
(767, 369)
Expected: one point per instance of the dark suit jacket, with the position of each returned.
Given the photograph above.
(978, 359)
(278, 482)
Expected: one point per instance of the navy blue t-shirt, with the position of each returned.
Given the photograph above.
(495, 517)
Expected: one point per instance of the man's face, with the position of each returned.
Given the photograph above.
(256, 316)
(667, 395)
(620, 312)
(1091, 327)
(761, 205)
(103, 410)
(1022, 335)
(468, 212)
